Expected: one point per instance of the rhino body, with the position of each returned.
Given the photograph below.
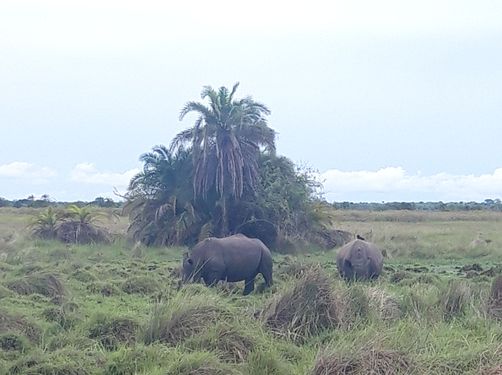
(233, 258)
(360, 260)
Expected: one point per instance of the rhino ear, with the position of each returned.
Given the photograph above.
(185, 255)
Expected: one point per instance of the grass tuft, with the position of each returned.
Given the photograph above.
(45, 284)
(304, 310)
(181, 318)
(367, 360)
(112, 331)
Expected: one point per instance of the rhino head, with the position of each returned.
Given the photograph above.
(189, 272)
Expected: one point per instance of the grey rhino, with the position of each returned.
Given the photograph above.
(233, 258)
(359, 259)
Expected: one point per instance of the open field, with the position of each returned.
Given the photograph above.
(117, 309)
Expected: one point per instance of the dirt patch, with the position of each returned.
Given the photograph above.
(417, 269)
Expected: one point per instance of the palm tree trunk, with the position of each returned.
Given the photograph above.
(224, 224)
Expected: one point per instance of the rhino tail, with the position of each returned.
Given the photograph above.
(266, 266)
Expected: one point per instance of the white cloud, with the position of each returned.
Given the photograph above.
(87, 173)
(21, 169)
(395, 184)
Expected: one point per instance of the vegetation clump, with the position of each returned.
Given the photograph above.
(495, 301)
(384, 304)
(221, 177)
(179, 319)
(65, 315)
(368, 360)
(46, 284)
(10, 323)
(140, 285)
(112, 331)
(454, 299)
(73, 225)
(231, 343)
(13, 342)
(306, 309)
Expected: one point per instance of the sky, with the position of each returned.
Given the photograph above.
(389, 101)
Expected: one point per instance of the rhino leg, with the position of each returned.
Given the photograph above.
(248, 286)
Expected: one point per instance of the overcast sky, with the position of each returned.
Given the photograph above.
(390, 100)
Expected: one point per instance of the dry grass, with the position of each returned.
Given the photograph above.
(385, 304)
(454, 299)
(366, 361)
(495, 301)
(182, 318)
(306, 309)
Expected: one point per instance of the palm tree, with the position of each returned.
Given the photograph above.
(226, 140)
(45, 224)
(159, 202)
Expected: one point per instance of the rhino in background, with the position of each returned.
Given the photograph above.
(360, 260)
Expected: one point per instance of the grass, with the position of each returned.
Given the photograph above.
(116, 309)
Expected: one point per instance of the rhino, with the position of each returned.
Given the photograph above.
(233, 258)
(359, 259)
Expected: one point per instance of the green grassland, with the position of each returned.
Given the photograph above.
(118, 308)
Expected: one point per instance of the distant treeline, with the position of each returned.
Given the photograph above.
(487, 204)
(44, 201)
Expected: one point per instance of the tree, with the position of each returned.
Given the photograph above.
(226, 140)
(159, 201)
(45, 224)
(79, 226)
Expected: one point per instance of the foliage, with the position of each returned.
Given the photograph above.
(160, 200)
(45, 224)
(394, 327)
(226, 141)
(73, 225)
